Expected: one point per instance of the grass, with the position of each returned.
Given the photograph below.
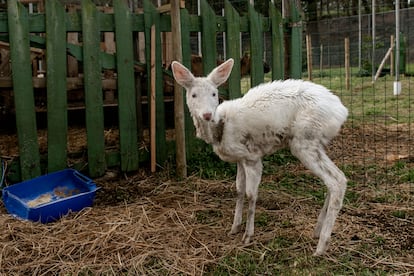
(369, 252)
(280, 257)
(378, 194)
(367, 102)
(371, 102)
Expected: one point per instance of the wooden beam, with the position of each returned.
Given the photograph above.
(153, 103)
(179, 120)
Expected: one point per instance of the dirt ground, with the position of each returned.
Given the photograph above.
(153, 224)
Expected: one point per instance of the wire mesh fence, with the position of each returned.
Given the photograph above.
(376, 144)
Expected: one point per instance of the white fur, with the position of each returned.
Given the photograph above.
(297, 114)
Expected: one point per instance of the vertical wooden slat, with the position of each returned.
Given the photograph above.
(127, 110)
(233, 48)
(277, 43)
(23, 90)
(191, 141)
(347, 65)
(256, 47)
(56, 86)
(185, 38)
(179, 114)
(152, 17)
(208, 37)
(152, 101)
(296, 43)
(309, 55)
(93, 89)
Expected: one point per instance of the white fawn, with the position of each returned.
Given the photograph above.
(297, 114)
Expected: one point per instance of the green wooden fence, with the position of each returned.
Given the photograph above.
(21, 30)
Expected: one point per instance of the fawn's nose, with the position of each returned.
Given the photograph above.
(207, 116)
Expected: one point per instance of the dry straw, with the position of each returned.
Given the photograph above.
(152, 225)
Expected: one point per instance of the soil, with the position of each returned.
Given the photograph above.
(143, 223)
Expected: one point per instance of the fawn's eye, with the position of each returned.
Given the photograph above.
(214, 94)
(194, 95)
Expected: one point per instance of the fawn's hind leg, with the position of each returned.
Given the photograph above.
(253, 170)
(322, 216)
(313, 156)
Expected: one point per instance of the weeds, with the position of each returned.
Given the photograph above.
(374, 230)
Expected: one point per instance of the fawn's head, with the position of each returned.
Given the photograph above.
(202, 92)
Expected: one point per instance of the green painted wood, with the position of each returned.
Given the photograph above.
(93, 89)
(296, 42)
(152, 17)
(233, 48)
(107, 60)
(4, 26)
(185, 37)
(73, 21)
(208, 37)
(277, 43)
(56, 87)
(256, 47)
(191, 142)
(128, 132)
(18, 26)
(94, 60)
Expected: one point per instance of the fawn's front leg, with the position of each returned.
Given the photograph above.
(241, 191)
(253, 171)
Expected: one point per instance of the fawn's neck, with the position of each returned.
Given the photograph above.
(209, 131)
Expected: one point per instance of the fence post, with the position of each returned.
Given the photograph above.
(93, 89)
(309, 55)
(233, 48)
(208, 37)
(347, 65)
(179, 119)
(277, 43)
(256, 47)
(191, 142)
(57, 122)
(23, 90)
(152, 17)
(296, 42)
(127, 110)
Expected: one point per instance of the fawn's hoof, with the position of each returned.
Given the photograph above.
(247, 239)
(234, 230)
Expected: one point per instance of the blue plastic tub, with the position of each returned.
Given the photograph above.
(49, 197)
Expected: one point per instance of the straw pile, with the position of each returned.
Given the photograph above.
(157, 227)
(153, 234)
(152, 225)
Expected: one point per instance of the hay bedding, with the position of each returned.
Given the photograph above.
(153, 234)
(160, 228)
(152, 225)
(149, 224)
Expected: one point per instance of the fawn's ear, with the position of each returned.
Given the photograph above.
(221, 73)
(182, 75)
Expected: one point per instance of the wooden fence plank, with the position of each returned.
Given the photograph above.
(296, 43)
(233, 48)
(23, 90)
(93, 89)
(91, 23)
(128, 133)
(256, 47)
(179, 113)
(152, 17)
(56, 86)
(277, 43)
(191, 142)
(208, 37)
